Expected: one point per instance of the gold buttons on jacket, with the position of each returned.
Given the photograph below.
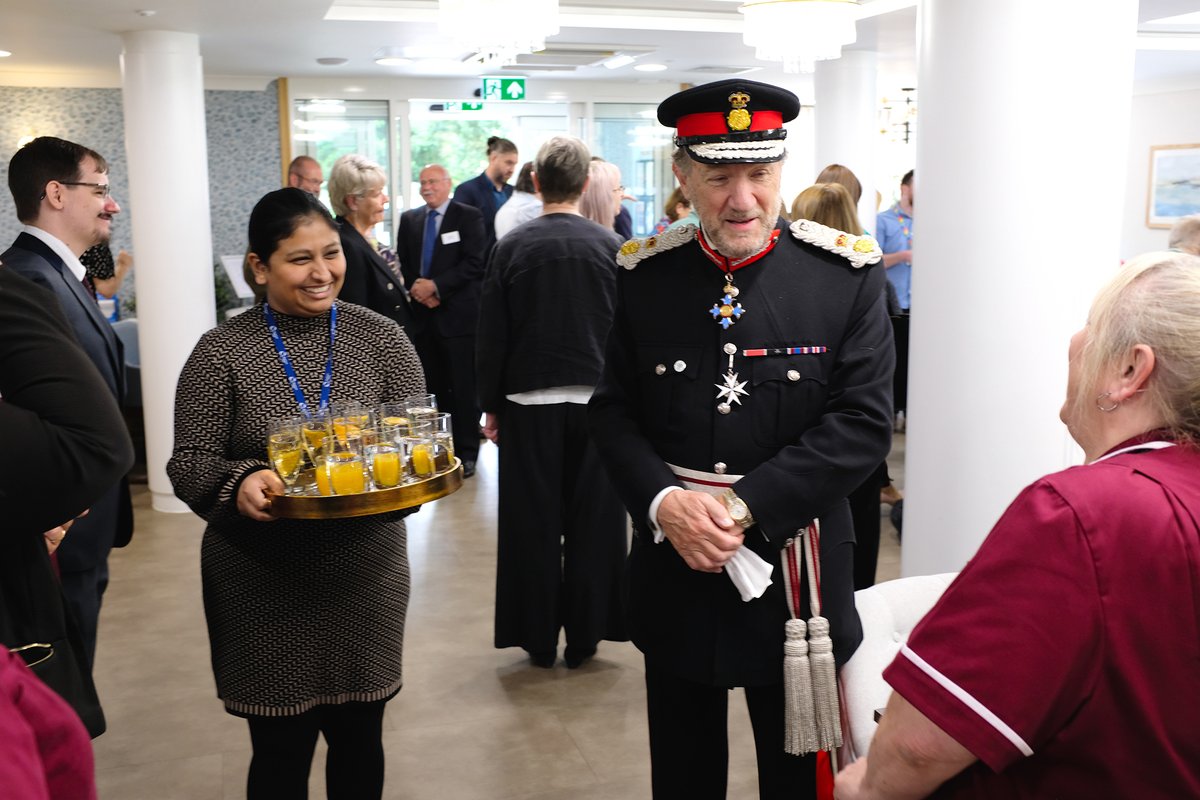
(661, 369)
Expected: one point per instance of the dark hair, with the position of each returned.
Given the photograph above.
(675, 198)
(907, 179)
(525, 179)
(277, 215)
(497, 144)
(562, 169)
(45, 159)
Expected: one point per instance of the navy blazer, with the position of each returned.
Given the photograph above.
(110, 522)
(479, 192)
(369, 280)
(457, 268)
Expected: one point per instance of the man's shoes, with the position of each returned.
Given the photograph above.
(576, 657)
(543, 658)
(468, 469)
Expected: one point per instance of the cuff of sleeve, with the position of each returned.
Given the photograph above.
(652, 514)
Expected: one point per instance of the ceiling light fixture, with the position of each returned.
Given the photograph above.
(329, 61)
(5, 54)
(616, 62)
(393, 61)
(650, 67)
(499, 29)
(799, 32)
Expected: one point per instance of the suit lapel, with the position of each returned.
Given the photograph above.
(86, 303)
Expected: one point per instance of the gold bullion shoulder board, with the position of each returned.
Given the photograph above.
(858, 250)
(638, 250)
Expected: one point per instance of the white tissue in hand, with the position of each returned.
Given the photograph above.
(749, 573)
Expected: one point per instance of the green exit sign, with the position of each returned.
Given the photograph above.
(501, 88)
(454, 105)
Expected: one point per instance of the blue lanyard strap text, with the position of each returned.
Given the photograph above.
(290, 371)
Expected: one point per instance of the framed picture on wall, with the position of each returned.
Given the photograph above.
(1174, 184)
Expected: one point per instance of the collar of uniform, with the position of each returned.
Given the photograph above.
(733, 265)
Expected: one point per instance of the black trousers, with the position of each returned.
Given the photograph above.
(283, 751)
(562, 533)
(449, 364)
(84, 590)
(689, 741)
(865, 511)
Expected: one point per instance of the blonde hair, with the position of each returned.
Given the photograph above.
(828, 204)
(596, 203)
(836, 173)
(353, 175)
(1154, 301)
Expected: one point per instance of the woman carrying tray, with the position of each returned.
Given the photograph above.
(305, 618)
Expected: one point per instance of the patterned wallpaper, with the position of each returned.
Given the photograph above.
(243, 151)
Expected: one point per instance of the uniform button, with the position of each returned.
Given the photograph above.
(730, 348)
(723, 408)
(720, 467)
(793, 375)
(661, 369)
(390, 287)
(680, 366)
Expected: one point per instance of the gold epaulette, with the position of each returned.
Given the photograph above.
(858, 250)
(636, 250)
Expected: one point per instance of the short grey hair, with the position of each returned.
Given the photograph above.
(561, 167)
(353, 175)
(1185, 235)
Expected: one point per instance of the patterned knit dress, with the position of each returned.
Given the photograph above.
(300, 613)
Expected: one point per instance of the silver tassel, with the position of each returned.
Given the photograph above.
(800, 725)
(824, 685)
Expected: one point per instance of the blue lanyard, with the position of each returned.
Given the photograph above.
(290, 371)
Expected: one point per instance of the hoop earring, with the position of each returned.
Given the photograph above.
(1113, 407)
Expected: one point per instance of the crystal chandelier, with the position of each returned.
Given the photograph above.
(499, 29)
(799, 32)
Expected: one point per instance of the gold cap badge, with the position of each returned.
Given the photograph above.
(739, 117)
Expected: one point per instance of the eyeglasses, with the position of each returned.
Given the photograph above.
(432, 181)
(620, 189)
(105, 189)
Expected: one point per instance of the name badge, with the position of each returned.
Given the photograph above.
(451, 237)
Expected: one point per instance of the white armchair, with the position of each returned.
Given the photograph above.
(889, 611)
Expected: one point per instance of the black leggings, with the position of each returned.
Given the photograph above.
(283, 751)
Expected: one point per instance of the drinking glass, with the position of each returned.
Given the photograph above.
(421, 406)
(284, 449)
(349, 419)
(443, 434)
(344, 464)
(314, 430)
(417, 447)
(382, 453)
(394, 415)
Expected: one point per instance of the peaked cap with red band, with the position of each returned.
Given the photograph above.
(730, 122)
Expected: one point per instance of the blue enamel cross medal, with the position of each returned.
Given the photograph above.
(728, 310)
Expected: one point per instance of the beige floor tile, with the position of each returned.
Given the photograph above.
(193, 778)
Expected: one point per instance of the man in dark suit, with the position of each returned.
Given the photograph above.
(442, 249)
(489, 190)
(61, 192)
(746, 390)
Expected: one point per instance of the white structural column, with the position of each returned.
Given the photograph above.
(1021, 147)
(847, 124)
(165, 143)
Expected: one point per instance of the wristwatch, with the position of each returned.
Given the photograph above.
(739, 512)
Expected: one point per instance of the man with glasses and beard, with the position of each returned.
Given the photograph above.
(746, 392)
(62, 194)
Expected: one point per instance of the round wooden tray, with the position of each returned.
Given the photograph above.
(379, 501)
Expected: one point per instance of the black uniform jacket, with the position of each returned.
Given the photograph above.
(811, 429)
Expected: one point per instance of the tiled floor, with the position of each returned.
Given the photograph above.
(471, 721)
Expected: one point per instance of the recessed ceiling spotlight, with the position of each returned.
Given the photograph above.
(5, 54)
(393, 61)
(650, 67)
(354, 89)
(332, 62)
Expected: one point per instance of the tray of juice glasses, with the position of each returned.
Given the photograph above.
(354, 462)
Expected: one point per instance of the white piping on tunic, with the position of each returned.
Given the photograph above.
(1135, 447)
(968, 700)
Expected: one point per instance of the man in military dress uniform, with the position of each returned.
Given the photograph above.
(747, 390)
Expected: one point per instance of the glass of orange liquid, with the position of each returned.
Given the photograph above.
(349, 419)
(344, 465)
(393, 415)
(382, 454)
(285, 450)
